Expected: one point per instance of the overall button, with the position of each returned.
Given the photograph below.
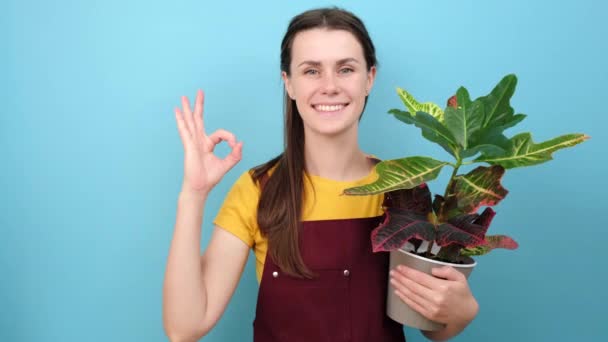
(346, 273)
(275, 274)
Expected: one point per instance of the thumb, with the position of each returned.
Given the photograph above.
(448, 273)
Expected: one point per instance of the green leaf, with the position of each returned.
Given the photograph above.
(396, 174)
(491, 137)
(432, 129)
(480, 187)
(524, 152)
(464, 120)
(484, 148)
(512, 121)
(414, 106)
(496, 115)
(497, 109)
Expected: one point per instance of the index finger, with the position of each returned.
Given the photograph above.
(198, 111)
(422, 278)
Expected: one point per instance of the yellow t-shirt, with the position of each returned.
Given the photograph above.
(238, 214)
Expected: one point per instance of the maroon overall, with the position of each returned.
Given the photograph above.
(345, 302)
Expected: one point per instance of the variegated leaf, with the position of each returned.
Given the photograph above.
(491, 242)
(500, 241)
(466, 230)
(524, 152)
(396, 174)
(414, 106)
(474, 224)
(399, 226)
(416, 199)
(475, 251)
(445, 209)
(458, 233)
(478, 188)
(478, 227)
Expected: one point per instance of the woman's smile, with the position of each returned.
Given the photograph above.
(329, 109)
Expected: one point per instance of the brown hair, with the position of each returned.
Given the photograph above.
(280, 205)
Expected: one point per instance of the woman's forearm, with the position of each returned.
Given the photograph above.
(184, 293)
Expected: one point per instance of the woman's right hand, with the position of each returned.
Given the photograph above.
(202, 169)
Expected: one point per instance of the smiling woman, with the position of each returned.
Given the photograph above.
(330, 79)
(319, 279)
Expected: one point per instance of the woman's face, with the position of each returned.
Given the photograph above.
(329, 80)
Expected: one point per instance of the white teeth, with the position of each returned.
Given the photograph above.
(332, 108)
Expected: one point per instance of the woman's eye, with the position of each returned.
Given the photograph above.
(311, 72)
(346, 70)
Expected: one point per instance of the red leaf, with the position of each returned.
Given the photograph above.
(463, 234)
(417, 199)
(400, 226)
(467, 230)
(453, 102)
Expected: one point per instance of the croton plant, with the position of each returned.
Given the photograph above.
(472, 132)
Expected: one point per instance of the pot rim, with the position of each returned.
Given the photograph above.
(440, 262)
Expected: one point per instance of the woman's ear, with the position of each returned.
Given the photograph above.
(287, 83)
(371, 77)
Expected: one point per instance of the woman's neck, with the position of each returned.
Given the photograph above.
(337, 158)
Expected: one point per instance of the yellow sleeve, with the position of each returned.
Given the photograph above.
(238, 213)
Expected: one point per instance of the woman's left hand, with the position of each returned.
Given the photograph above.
(444, 298)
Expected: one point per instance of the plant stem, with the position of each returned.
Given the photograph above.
(447, 189)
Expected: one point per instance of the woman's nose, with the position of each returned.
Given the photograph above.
(330, 86)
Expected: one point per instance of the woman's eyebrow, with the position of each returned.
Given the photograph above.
(347, 60)
(341, 61)
(312, 63)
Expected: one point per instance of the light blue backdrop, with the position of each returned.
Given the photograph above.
(91, 162)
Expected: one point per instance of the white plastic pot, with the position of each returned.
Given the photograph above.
(396, 309)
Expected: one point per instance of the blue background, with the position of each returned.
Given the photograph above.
(91, 161)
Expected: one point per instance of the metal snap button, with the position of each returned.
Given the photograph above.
(275, 274)
(346, 273)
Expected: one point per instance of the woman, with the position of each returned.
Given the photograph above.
(319, 280)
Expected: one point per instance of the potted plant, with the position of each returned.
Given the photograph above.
(423, 232)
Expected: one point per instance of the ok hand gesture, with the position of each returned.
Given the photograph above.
(202, 169)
